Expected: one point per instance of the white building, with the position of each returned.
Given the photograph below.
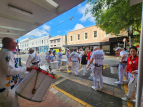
(57, 42)
(24, 44)
(40, 45)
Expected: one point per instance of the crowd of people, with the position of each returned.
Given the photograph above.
(91, 59)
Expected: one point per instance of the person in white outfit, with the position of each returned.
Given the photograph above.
(33, 59)
(97, 58)
(75, 61)
(9, 74)
(84, 62)
(123, 65)
(49, 58)
(59, 57)
(68, 56)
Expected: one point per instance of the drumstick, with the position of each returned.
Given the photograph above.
(34, 90)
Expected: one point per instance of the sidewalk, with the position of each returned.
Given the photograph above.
(50, 101)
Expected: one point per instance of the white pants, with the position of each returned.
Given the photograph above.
(122, 73)
(8, 98)
(131, 87)
(84, 69)
(75, 64)
(97, 72)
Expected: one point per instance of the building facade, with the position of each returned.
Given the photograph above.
(57, 42)
(40, 45)
(89, 37)
(24, 44)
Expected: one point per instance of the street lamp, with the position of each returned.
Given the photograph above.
(130, 33)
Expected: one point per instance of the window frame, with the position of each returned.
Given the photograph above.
(94, 34)
(85, 36)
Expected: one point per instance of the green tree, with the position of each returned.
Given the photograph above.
(116, 15)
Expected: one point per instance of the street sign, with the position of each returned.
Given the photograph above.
(133, 2)
(124, 40)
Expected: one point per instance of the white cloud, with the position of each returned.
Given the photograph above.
(39, 32)
(88, 16)
(46, 27)
(78, 26)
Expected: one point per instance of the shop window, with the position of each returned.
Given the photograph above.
(86, 36)
(95, 34)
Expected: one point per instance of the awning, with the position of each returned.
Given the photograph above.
(18, 17)
(88, 44)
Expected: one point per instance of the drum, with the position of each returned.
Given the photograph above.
(64, 61)
(38, 80)
(54, 65)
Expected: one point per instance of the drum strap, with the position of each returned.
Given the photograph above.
(72, 54)
(34, 89)
(34, 58)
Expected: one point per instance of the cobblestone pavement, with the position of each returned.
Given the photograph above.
(58, 96)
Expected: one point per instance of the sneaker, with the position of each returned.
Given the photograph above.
(126, 98)
(118, 82)
(134, 100)
(94, 88)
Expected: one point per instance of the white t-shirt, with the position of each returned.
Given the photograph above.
(74, 56)
(124, 53)
(59, 55)
(98, 56)
(31, 57)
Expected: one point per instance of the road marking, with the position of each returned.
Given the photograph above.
(71, 96)
(126, 91)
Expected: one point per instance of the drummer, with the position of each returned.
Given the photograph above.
(59, 57)
(9, 74)
(49, 58)
(123, 64)
(33, 59)
(75, 61)
(68, 56)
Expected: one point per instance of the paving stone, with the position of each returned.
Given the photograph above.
(90, 84)
(124, 103)
(123, 91)
(86, 83)
(55, 91)
(81, 105)
(116, 90)
(122, 87)
(69, 100)
(117, 95)
(104, 86)
(59, 94)
(124, 106)
(75, 104)
(51, 89)
(63, 97)
(109, 88)
(109, 92)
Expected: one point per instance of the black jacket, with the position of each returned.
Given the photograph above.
(84, 60)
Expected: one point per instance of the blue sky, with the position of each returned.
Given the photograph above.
(61, 24)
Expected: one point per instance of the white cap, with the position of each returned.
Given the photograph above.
(118, 48)
(67, 49)
(95, 47)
